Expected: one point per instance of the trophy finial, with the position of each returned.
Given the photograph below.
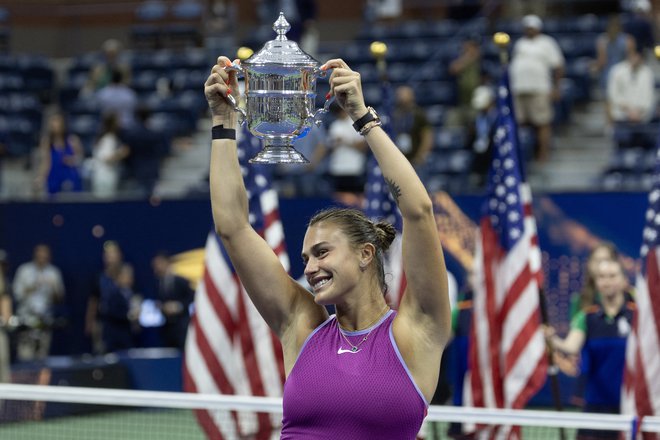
(281, 26)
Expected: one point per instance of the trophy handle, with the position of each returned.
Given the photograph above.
(325, 109)
(242, 115)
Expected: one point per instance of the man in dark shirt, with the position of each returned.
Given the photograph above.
(175, 295)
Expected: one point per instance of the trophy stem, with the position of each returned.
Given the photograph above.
(274, 154)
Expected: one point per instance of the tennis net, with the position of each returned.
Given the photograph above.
(36, 412)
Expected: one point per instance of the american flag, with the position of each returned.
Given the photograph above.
(641, 388)
(379, 205)
(507, 348)
(230, 349)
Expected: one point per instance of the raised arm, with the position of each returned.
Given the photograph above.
(280, 300)
(425, 305)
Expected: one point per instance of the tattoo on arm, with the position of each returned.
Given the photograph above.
(395, 189)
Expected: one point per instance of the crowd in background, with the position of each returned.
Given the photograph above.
(119, 314)
(124, 152)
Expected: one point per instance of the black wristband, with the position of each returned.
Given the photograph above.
(364, 120)
(220, 132)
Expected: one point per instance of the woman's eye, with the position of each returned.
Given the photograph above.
(322, 253)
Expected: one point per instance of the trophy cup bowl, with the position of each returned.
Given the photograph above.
(280, 96)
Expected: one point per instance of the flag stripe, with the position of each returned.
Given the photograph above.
(653, 283)
(219, 305)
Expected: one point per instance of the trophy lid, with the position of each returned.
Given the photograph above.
(281, 50)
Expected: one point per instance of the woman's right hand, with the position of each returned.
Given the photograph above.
(219, 84)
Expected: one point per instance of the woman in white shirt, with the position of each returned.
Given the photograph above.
(107, 156)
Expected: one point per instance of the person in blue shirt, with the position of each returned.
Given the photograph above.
(599, 333)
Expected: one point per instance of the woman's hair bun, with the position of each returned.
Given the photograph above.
(385, 233)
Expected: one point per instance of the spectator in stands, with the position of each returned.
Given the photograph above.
(5, 315)
(175, 295)
(631, 91)
(107, 156)
(119, 307)
(118, 98)
(147, 147)
(101, 73)
(600, 333)
(537, 67)
(37, 287)
(61, 154)
(348, 154)
(483, 102)
(612, 47)
(640, 25)
(467, 70)
(413, 133)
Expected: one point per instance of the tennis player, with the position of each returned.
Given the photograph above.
(367, 372)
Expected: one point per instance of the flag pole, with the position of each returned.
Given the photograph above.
(502, 40)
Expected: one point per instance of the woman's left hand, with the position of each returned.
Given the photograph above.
(345, 84)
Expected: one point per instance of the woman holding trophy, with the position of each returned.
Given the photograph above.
(368, 371)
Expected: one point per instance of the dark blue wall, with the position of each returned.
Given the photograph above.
(143, 228)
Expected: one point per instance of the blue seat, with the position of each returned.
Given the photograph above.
(37, 73)
(146, 32)
(26, 105)
(436, 114)
(11, 82)
(450, 139)
(23, 135)
(636, 135)
(578, 45)
(436, 92)
(443, 28)
(145, 81)
(627, 160)
(151, 10)
(86, 127)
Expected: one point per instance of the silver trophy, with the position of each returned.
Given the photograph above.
(280, 95)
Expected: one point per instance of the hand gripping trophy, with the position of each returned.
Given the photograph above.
(280, 95)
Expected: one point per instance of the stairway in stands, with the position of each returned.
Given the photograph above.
(581, 151)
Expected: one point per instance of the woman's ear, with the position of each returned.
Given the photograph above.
(367, 254)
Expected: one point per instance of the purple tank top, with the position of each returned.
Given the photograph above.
(333, 393)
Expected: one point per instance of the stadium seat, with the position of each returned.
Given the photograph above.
(436, 114)
(436, 92)
(146, 32)
(454, 138)
(86, 127)
(38, 75)
(636, 135)
(23, 135)
(5, 31)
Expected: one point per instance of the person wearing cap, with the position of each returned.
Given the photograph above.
(537, 66)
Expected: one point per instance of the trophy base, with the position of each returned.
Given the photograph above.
(274, 154)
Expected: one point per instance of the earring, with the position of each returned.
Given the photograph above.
(363, 265)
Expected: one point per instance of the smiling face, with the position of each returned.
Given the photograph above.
(332, 265)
